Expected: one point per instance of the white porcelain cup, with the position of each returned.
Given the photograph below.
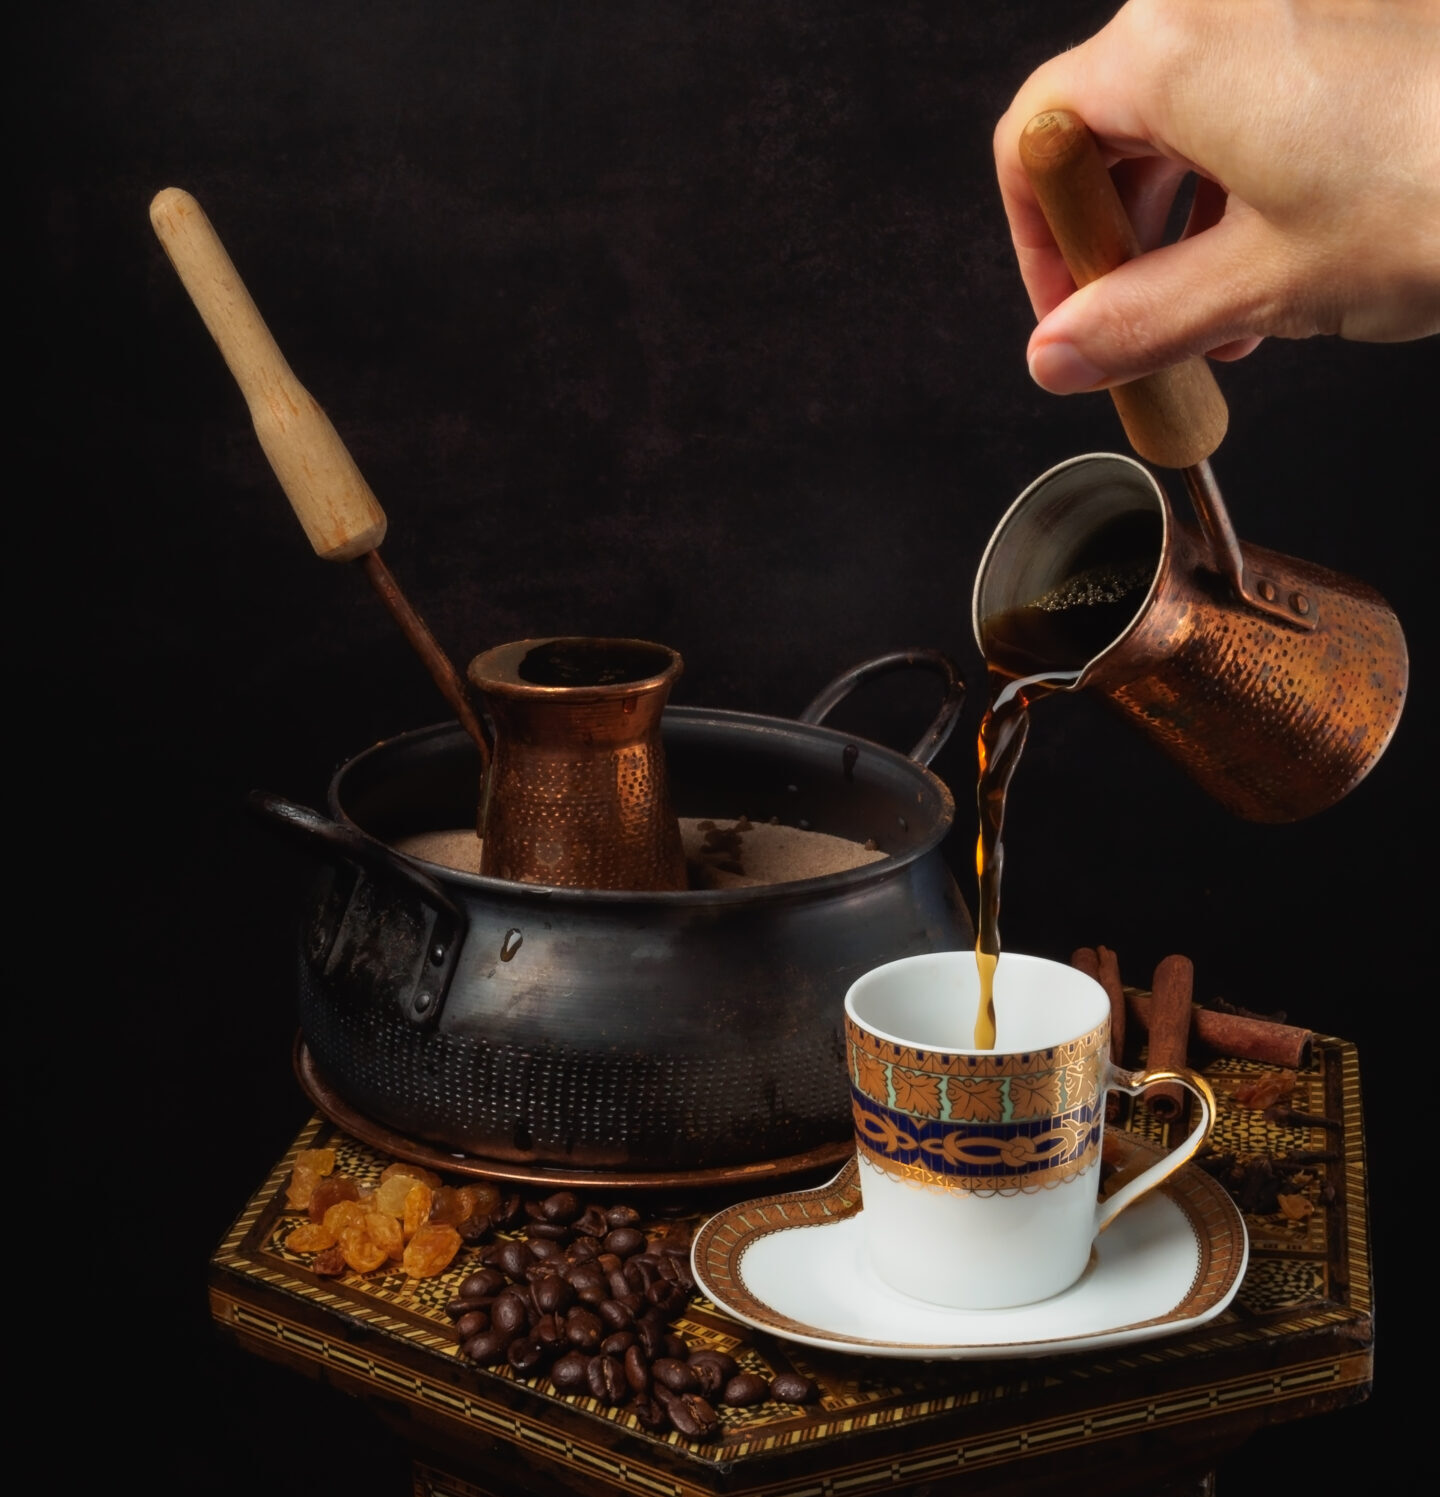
(980, 1169)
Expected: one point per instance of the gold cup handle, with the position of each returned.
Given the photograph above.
(1133, 1083)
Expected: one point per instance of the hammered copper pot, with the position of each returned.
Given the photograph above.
(1276, 684)
(578, 793)
(612, 1030)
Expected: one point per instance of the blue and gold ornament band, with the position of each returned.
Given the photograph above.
(985, 1123)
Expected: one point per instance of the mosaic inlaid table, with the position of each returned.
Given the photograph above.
(1296, 1341)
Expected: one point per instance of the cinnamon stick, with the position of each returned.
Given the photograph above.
(1171, 991)
(1085, 959)
(1237, 1035)
(1102, 964)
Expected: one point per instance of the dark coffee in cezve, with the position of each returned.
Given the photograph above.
(1030, 651)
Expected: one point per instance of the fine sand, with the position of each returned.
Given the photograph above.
(719, 855)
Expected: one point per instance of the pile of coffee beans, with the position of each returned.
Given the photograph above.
(587, 1298)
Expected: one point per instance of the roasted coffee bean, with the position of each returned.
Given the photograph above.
(508, 1214)
(485, 1283)
(623, 1241)
(562, 1207)
(637, 1370)
(584, 1329)
(791, 1387)
(471, 1324)
(549, 1331)
(583, 1276)
(636, 1304)
(514, 1258)
(569, 1373)
(675, 1347)
(617, 1344)
(665, 1295)
(474, 1229)
(651, 1336)
(615, 1315)
(691, 1415)
(622, 1216)
(510, 1312)
(488, 1348)
(676, 1375)
(677, 1270)
(744, 1389)
(648, 1413)
(608, 1263)
(543, 1231)
(582, 1249)
(458, 1307)
(552, 1293)
(722, 1362)
(618, 1284)
(526, 1355)
(547, 1252)
(607, 1380)
(591, 1223)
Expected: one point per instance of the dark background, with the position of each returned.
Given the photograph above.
(697, 323)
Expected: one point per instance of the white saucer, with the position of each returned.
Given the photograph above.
(794, 1265)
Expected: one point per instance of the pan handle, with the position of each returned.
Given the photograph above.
(319, 834)
(935, 736)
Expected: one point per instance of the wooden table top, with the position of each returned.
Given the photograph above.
(1296, 1341)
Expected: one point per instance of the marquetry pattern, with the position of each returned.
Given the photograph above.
(1310, 1280)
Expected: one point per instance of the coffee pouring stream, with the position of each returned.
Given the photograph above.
(1275, 684)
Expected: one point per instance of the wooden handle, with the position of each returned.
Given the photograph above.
(333, 502)
(1174, 418)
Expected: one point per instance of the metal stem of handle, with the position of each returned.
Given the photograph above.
(1259, 593)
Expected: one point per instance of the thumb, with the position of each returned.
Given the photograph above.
(1222, 290)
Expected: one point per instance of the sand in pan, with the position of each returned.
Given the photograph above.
(719, 855)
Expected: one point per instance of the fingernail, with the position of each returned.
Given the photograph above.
(1063, 370)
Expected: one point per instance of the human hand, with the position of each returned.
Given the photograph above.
(1314, 130)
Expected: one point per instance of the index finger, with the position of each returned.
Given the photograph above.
(1089, 82)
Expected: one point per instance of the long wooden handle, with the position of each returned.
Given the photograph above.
(341, 516)
(1177, 417)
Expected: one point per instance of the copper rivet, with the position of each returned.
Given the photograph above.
(423, 1002)
(1300, 603)
(1267, 591)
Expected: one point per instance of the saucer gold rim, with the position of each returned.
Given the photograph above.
(1221, 1248)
